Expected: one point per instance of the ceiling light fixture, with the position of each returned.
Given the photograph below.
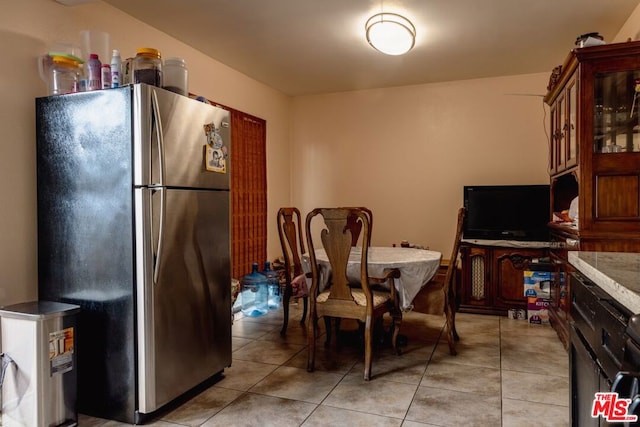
(390, 33)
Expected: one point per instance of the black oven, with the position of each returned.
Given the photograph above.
(598, 349)
(627, 381)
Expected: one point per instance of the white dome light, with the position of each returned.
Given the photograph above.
(390, 33)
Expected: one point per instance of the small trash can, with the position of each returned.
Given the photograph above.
(39, 369)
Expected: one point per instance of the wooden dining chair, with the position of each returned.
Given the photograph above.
(356, 226)
(450, 288)
(340, 299)
(291, 239)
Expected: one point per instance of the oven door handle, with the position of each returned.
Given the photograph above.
(633, 328)
(626, 384)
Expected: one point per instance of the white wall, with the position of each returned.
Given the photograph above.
(630, 29)
(407, 152)
(27, 29)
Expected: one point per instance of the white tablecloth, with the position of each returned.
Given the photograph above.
(417, 267)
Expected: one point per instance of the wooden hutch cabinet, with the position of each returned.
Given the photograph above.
(594, 158)
(493, 277)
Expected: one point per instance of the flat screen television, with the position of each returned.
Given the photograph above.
(507, 212)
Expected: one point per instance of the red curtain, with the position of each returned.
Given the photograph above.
(248, 192)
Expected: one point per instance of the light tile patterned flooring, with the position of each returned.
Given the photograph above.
(507, 373)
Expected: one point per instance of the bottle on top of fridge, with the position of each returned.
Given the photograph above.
(147, 66)
(106, 76)
(94, 72)
(116, 69)
(176, 76)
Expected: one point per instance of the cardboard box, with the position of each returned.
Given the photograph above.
(538, 310)
(537, 283)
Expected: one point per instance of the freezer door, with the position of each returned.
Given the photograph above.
(184, 302)
(179, 142)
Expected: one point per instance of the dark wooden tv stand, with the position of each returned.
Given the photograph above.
(492, 280)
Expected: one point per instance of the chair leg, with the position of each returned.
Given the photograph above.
(396, 317)
(451, 327)
(285, 306)
(453, 303)
(452, 307)
(312, 331)
(305, 302)
(327, 327)
(451, 339)
(336, 328)
(368, 348)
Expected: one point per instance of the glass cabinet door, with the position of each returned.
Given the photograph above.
(553, 140)
(616, 102)
(571, 124)
(562, 139)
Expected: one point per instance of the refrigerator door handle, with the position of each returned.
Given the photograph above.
(160, 243)
(157, 122)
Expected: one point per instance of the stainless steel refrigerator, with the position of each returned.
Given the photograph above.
(133, 226)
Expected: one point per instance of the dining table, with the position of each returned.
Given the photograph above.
(417, 267)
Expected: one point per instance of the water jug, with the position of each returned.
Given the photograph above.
(254, 293)
(61, 73)
(273, 286)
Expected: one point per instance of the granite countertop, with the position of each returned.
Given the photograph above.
(617, 273)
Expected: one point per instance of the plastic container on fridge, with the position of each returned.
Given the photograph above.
(147, 67)
(176, 76)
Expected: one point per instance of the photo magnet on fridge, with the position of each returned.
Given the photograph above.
(215, 152)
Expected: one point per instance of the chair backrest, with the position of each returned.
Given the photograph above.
(336, 239)
(448, 280)
(290, 232)
(356, 226)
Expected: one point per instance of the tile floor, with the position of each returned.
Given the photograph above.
(507, 373)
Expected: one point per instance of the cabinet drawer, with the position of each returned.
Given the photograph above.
(585, 299)
(611, 322)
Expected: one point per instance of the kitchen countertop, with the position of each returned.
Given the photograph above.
(617, 273)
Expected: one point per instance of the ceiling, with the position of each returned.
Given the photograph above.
(303, 47)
